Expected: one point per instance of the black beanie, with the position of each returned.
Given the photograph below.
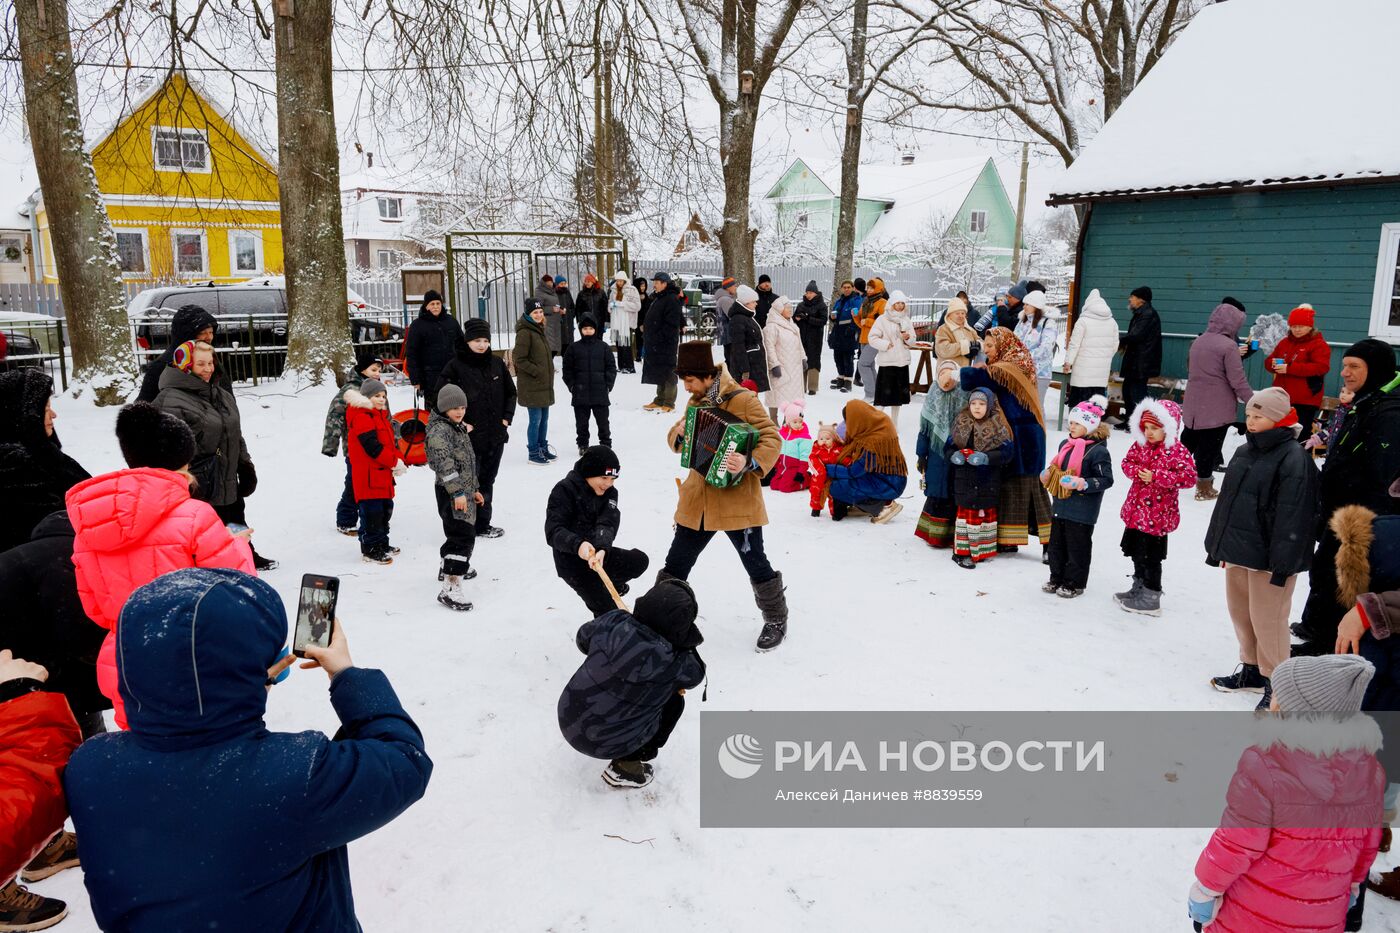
(1142, 293)
(1233, 302)
(364, 359)
(669, 609)
(859, 285)
(598, 461)
(1379, 358)
(150, 437)
(475, 327)
(764, 280)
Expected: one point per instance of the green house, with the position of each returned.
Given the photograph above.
(1274, 185)
(902, 206)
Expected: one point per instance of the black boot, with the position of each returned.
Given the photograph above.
(773, 604)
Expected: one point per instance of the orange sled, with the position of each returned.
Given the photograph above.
(411, 428)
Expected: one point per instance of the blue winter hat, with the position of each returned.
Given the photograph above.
(986, 395)
(1018, 291)
(560, 280)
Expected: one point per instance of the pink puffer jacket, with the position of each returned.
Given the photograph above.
(1321, 778)
(1153, 508)
(129, 528)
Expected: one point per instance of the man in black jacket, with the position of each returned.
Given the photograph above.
(580, 524)
(490, 390)
(661, 341)
(589, 373)
(766, 297)
(1141, 347)
(1361, 464)
(432, 341)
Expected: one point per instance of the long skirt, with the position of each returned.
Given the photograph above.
(1023, 507)
(891, 386)
(936, 522)
(975, 534)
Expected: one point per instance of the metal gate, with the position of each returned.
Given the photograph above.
(490, 273)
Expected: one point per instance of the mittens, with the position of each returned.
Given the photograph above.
(247, 479)
(977, 459)
(921, 464)
(1078, 483)
(776, 372)
(1202, 904)
(957, 458)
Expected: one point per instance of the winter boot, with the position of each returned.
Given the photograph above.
(1245, 679)
(1130, 593)
(350, 531)
(1267, 699)
(890, 510)
(836, 383)
(1205, 489)
(378, 556)
(845, 384)
(1049, 587)
(60, 853)
(1146, 602)
(262, 564)
(451, 594)
(620, 773)
(773, 605)
(491, 532)
(1069, 592)
(1008, 548)
(965, 561)
(839, 510)
(21, 909)
(469, 575)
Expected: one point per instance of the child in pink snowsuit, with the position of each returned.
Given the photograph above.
(826, 451)
(1160, 467)
(790, 473)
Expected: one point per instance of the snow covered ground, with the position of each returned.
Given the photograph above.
(517, 831)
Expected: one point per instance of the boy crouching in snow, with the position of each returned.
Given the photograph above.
(450, 454)
(629, 693)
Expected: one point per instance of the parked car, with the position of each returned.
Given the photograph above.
(700, 315)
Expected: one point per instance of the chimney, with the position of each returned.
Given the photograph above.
(906, 158)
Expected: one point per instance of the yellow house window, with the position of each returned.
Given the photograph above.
(179, 150)
(191, 252)
(131, 252)
(245, 252)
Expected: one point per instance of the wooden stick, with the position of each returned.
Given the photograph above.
(612, 590)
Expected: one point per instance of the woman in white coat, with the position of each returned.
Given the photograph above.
(891, 335)
(1039, 331)
(1092, 344)
(782, 346)
(623, 305)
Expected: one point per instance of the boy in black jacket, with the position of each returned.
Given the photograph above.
(580, 524)
(589, 372)
(490, 390)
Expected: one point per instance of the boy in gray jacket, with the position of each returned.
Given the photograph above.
(450, 455)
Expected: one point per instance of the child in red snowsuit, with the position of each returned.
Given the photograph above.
(374, 462)
(826, 451)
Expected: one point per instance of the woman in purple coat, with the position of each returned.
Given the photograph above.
(1215, 388)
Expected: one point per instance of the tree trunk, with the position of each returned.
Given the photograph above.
(736, 234)
(318, 318)
(84, 249)
(850, 148)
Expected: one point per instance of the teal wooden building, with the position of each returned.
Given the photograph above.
(1275, 185)
(902, 205)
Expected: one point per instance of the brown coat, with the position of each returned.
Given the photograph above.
(951, 342)
(737, 507)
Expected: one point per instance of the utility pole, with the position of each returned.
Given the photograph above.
(1020, 214)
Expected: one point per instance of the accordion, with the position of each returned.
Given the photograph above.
(710, 435)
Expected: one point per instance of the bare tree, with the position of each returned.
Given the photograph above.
(1031, 62)
(85, 250)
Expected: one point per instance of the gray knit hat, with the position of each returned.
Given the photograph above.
(1329, 683)
(449, 397)
(372, 387)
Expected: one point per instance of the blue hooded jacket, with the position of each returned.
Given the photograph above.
(199, 818)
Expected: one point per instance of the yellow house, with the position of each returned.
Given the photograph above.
(189, 195)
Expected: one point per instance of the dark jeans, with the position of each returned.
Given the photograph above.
(537, 433)
(488, 464)
(1307, 414)
(670, 715)
(459, 537)
(844, 349)
(600, 415)
(346, 515)
(688, 543)
(1079, 394)
(622, 565)
(1134, 391)
(1071, 550)
(374, 524)
(1205, 445)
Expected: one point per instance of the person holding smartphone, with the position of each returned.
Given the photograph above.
(200, 813)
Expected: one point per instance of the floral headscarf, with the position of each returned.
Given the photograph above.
(1003, 346)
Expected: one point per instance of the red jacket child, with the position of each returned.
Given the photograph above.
(826, 451)
(1305, 358)
(37, 734)
(1153, 508)
(373, 452)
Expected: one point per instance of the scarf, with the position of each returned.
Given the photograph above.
(871, 437)
(985, 435)
(1003, 346)
(940, 408)
(1070, 457)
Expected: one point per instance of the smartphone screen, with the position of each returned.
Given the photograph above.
(315, 613)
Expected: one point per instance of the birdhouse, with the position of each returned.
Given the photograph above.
(746, 82)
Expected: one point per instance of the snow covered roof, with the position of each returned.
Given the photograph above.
(919, 192)
(1255, 92)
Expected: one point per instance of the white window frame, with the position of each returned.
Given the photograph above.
(233, 236)
(145, 250)
(1385, 289)
(182, 132)
(175, 251)
(972, 226)
(381, 203)
(384, 259)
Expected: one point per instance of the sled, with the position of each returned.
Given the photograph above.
(411, 431)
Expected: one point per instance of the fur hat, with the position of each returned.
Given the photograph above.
(696, 358)
(1164, 413)
(598, 461)
(956, 304)
(1329, 683)
(1302, 316)
(619, 276)
(149, 437)
(1089, 413)
(1142, 293)
(743, 295)
(474, 328)
(372, 387)
(450, 397)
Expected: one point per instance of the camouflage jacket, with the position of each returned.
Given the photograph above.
(451, 456)
(333, 438)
